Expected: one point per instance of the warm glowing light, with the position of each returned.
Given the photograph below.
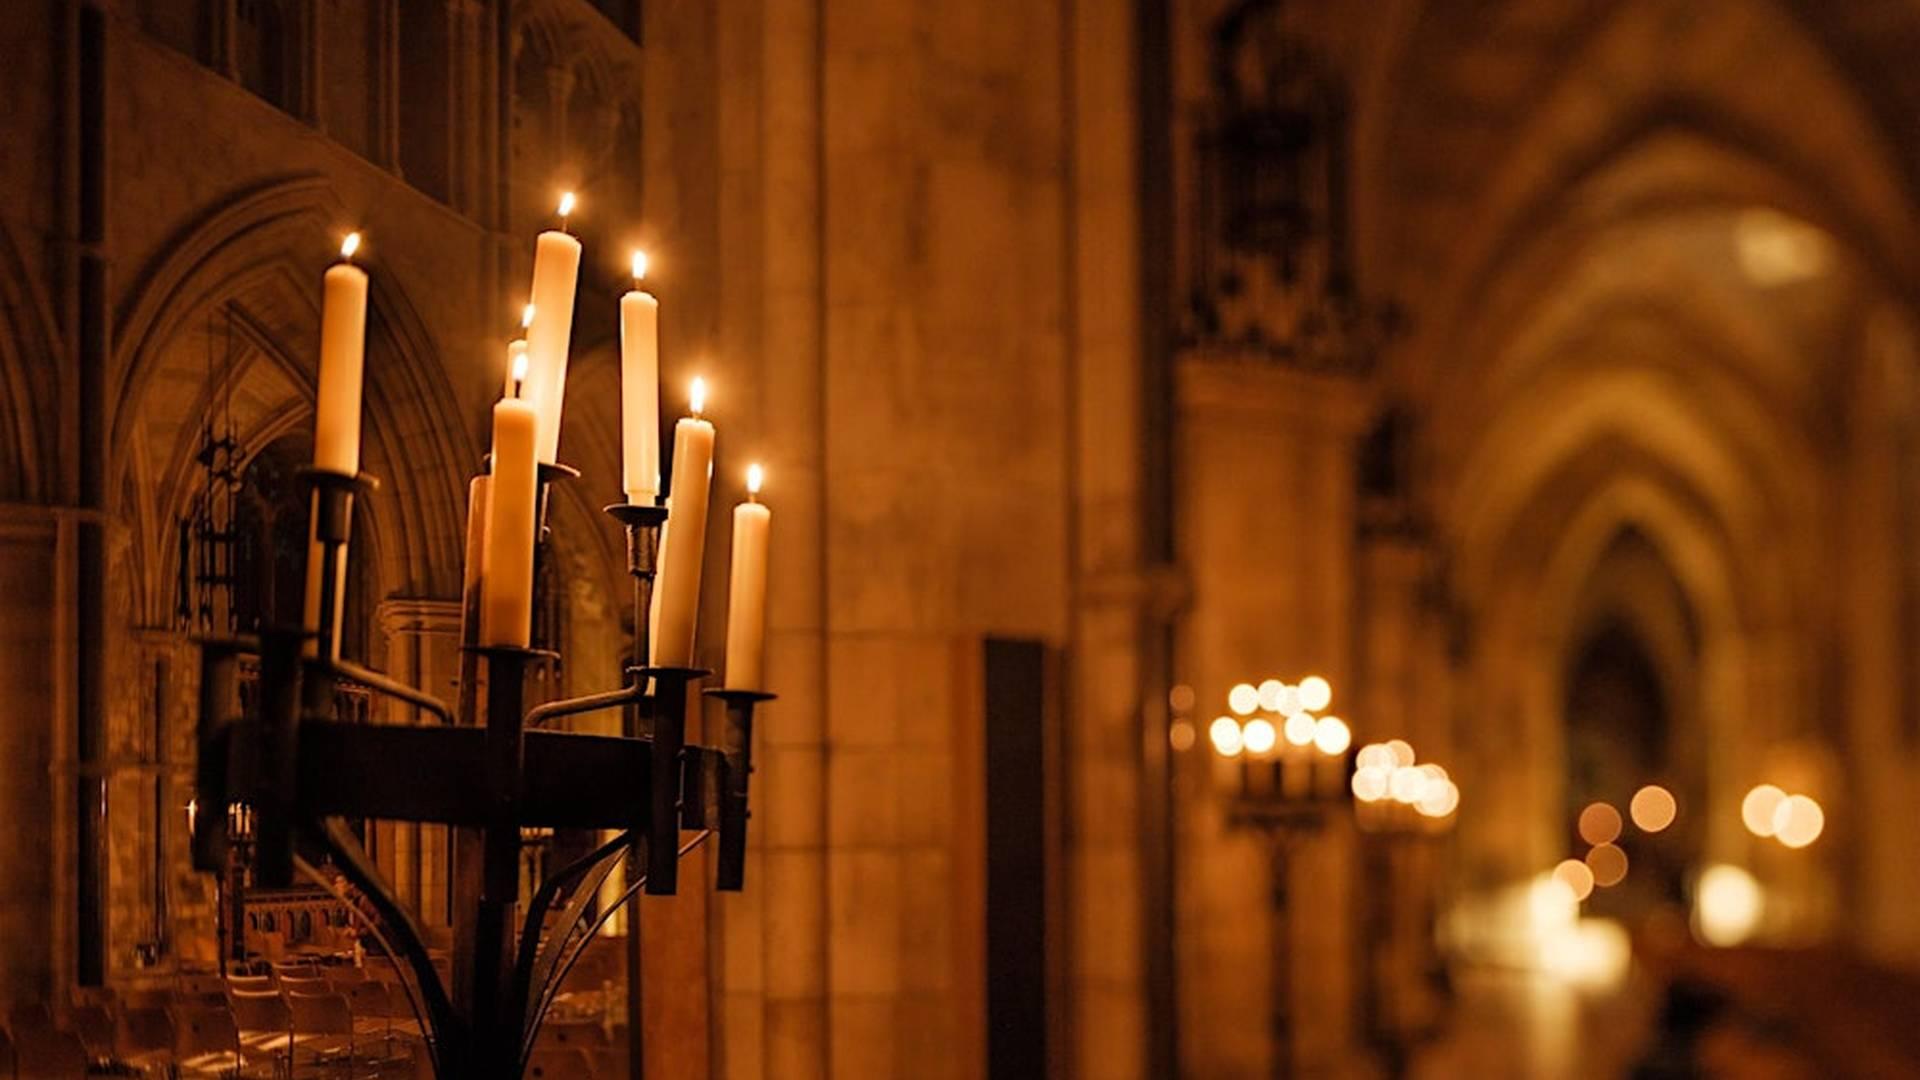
(1600, 824)
(1434, 773)
(193, 813)
(1552, 903)
(1272, 695)
(1590, 953)
(639, 266)
(350, 245)
(697, 395)
(1727, 905)
(1315, 693)
(1609, 865)
(1653, 808)
(1289, 700)
(1756, 810)
(1776, 249)
(1180, 735)
(1438, 799)
(567, 201)
(526, 316)
(1375, 756)
(1407, 785)
(1258, 736)
(1331, 736)
(1798, 821)
(1243, 699)
(1402, 753)
(1576, 876)
(1301, 729)
(756, 476)
(1181, 698)
(1224, 732)
(519, 366)
(1369, 784)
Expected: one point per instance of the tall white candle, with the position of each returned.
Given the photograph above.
(640, 390)
(506, 576)
(343, 345)
(556, 274)
(683, 542)
(747, 590)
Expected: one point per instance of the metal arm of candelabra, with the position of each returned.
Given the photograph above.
(488, 768)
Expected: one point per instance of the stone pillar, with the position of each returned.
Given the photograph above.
(423, 650)
(1266, 520)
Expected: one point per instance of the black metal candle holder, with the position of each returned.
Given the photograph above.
(489, 769)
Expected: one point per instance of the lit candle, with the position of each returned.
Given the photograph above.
(343, 346)
(336, 424)
(640, 389)
(682, 542)
(747, 589)
(517, 355)
(556, 273)
(506, 575)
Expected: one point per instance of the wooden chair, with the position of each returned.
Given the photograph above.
(143, 1037)
(205, 1039)
(560, 1063)
(264, 1023)
(200, 986)
(372, 1004)
(323, 1026)
(304, 984)
(253, 984)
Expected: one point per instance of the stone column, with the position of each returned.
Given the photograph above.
(1266, 522)
(423, 649)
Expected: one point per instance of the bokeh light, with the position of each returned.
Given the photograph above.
(1756, 810)
(1438, 798)
(1653, 808)
(1331, 736)
(1369, 784)
(1225, 734)
(1258, 736)
(1727, 905)
(1375, 756)
(1180, 735)
(1402, 752)
(1243, 699)
(1600, 823)
(1315, 693)
(1272, 695)
(1609, 865)
(1300, 729)
(1798, 821)
(1407, 785)
(1181, 698)
(1576, 876)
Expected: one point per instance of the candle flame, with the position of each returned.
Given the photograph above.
(520, 363)
(526, 316)
(755, 477)
(350, 245)
(639, 266)
(566, 204)
(697, 395)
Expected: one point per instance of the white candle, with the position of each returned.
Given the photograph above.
(640, 390)
(747, 590)
(343, 345)
(556, 273)
(682, 543)
(506, 575)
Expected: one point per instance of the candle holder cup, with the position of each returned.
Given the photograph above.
(736, 771)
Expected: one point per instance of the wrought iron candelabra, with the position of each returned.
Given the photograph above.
(488, 769)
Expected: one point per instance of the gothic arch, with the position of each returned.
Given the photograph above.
(238, 256)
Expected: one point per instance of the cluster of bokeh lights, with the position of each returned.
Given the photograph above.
(1390, 771)
(1794, 820)
(1294, 705)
